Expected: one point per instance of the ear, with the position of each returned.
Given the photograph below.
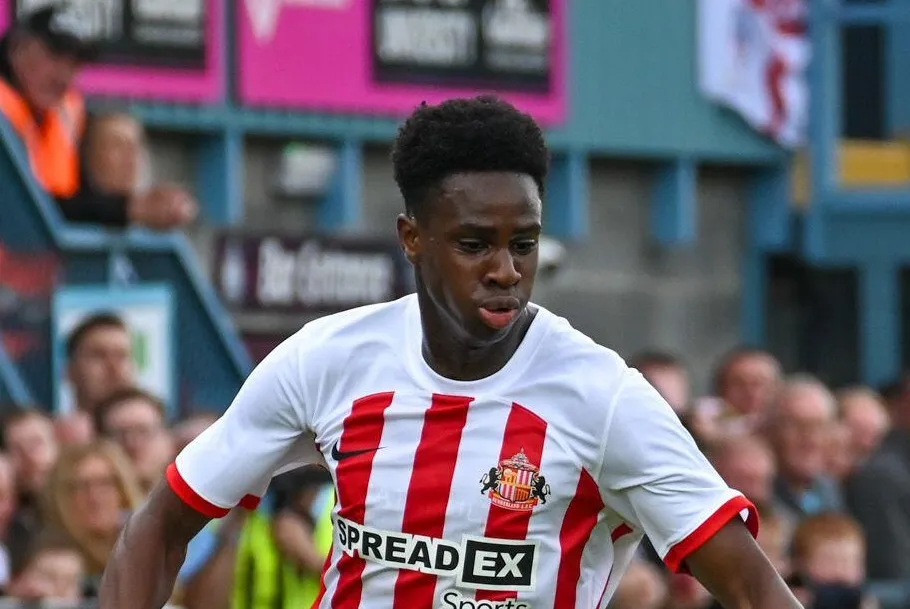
(409, 237)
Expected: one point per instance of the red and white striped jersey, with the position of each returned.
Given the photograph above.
(528, 489)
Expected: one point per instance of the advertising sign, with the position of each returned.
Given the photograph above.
(387, 56)
(155, 49)
(308, 275)
(148, 313)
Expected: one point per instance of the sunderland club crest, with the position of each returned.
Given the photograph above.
(516, 484)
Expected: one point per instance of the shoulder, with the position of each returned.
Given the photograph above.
(590, 367)
(354, 328)
(338, 337)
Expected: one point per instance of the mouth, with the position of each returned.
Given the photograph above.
(499, 313)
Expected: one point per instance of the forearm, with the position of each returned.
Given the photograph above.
(738, 574)
(766, 593)
(143, 567)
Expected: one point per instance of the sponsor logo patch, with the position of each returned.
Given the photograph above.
(478, 563)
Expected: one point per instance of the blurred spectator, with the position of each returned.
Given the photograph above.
(864, 413)
(668, 375)
(303, 502)
(829, 555)
(100, 362)
(284, 543)
(642, 587)
(746, 383)
(90, 493)
(40, 57)
(28, 437)
(746, 463)
(116, 165)
(187, 430)
(686, 592)
(53, 572)
(774, 539)
(135, 420)
(8, 503)
(800, 428)
(840, 453)
(878, 495)
(206, 577)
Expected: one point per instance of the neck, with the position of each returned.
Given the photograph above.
(455, 356)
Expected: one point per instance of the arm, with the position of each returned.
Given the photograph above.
(143, 567)
(94, 207)
(735, 570)
(211, 586)
(655, 476)
(296, 542)
(229, 464)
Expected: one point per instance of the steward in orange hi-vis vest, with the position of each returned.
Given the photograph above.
(53, 142)
(39, 59)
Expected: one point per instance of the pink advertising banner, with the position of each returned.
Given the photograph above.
(384, 57)
(159, 50)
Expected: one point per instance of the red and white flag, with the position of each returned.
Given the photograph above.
(753, 56)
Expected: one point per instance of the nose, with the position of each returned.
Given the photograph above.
(502, 270)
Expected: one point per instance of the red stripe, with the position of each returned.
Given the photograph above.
(197, 502)
(362, 431)
(718, 520)
(430, 488)
(577, 525)
(524, 431)
(250, 502)
(619, 532)
(325, 569)
(191, 497)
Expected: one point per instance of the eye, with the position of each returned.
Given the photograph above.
(471, 246)
(524, 247)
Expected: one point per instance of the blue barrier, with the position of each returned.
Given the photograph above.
(212, 361)
(12, 388)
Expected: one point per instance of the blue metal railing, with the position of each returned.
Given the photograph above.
(212, 361)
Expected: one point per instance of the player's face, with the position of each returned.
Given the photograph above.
(475, 251)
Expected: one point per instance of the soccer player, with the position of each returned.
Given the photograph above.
(485, 454)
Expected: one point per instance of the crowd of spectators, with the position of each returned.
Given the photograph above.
(68, 483)
(94, 166)
(829, 472)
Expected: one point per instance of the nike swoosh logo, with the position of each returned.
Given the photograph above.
(339, 456)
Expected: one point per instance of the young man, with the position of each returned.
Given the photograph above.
(485, 454)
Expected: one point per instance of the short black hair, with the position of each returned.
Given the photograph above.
(93, 322)
(482, 133)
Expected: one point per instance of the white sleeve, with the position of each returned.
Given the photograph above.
(654, 475)
(263, 432)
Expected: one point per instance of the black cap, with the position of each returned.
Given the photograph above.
(64, 28)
